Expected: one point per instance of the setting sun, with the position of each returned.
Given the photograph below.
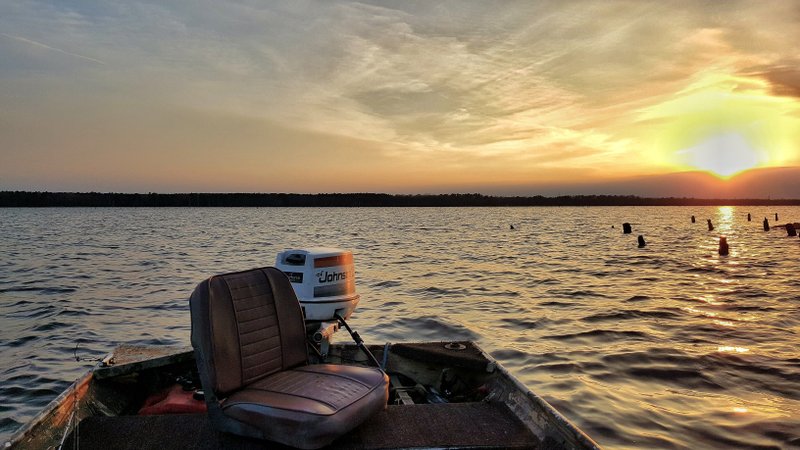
(724, 125)
(724, 155)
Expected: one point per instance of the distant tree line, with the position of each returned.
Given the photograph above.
(100, 199)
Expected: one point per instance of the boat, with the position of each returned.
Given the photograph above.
(440, 394)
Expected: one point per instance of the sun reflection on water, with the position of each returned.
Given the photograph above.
(709, 300)
(725, 217)
(732, 349)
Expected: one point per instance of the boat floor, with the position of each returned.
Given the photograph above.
(451, 425)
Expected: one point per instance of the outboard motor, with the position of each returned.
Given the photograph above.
(324, 281)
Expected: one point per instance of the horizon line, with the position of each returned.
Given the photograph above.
(427, 194)
(23, 199)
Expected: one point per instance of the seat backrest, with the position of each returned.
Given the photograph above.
(245, 326)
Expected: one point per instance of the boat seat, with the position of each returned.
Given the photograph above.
(249, 340)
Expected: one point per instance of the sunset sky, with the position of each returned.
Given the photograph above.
(529, 97)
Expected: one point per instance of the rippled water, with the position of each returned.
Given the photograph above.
(668, 346)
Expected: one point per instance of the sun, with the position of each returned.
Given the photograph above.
(723, 125)
(724, 154)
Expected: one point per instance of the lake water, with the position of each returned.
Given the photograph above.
(667, 346)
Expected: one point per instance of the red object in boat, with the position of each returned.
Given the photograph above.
(173, 400)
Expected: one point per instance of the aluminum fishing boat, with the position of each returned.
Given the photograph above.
(262, 373)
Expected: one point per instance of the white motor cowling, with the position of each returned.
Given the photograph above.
(323, 279)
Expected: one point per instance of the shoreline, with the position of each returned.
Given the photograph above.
(28, 199)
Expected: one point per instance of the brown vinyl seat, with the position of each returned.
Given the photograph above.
(249, 336)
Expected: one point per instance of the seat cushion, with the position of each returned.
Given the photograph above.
(310, 406)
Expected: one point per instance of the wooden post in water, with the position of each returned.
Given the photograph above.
(626, 228)
(748, 217)
(693, 219)
(790, 231)
(766, 224)
(642, 243)
(776, 217)
(723, 246)
(710, 226)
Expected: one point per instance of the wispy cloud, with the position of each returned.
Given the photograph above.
(51, 48)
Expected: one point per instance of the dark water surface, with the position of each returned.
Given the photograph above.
(669, 346)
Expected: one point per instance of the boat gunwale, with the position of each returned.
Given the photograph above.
(562, 422)
(52, 407)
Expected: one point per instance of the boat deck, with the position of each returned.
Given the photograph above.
(478, 425)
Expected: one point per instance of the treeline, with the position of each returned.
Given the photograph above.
(99, 199)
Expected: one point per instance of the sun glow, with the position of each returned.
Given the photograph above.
(724, 125)
(723, 154)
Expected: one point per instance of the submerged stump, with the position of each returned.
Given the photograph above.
(642, 243)
(723, 246)
(766, 224)
(790, 230)
(626, 228)
(710, 225)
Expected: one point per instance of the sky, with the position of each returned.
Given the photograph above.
(513, 98)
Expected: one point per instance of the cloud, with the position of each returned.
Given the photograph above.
(48, 47)
(784, 77)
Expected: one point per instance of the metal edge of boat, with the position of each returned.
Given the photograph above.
(61, 409)
(71, 406)
(559, 426)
